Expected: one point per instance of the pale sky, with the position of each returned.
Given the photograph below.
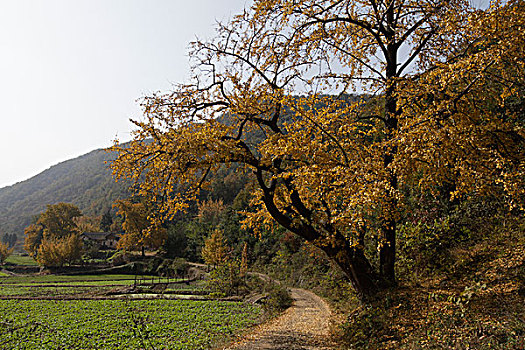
(72, 70)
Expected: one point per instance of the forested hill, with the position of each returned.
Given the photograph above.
(85, 181)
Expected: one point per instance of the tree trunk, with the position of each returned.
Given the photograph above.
(387, 248)
(356, 266)
(387, 253)
(143, 251)
(351, 259)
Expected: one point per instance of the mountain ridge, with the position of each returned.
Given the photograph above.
(85, 181)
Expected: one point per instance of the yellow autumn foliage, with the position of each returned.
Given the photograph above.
(54, 240)
(56, 252)
(215, 250)
(340, 108)
(4, 252)
(139, 231)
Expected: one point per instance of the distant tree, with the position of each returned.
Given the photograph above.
(55, 238)
(211, 211)
(176, 243)
(88, 223)
(140, 232)
(4, 252)
(215, 250)
(106, 221)
(13, 240)
(9, 239)
(34, 234)
(59, 220)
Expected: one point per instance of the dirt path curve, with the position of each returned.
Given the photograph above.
(304, 326)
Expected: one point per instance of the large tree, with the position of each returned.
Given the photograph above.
(435, 78)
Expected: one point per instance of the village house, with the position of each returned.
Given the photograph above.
(101, 240)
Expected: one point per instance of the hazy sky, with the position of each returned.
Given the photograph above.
(72, 70)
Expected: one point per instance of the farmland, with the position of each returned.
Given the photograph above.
(120, 324)
(81, 286)
(114, 312)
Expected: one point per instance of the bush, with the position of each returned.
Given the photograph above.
(426, 247)
(153, 265)
(121, 257)
(279, 299)
(179, 267)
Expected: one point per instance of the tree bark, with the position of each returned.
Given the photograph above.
(356, 266)
(387, 248)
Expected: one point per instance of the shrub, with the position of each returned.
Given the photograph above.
(179, 267)
(121, 257)
(279, 299)
(363, 325)
(425, 247)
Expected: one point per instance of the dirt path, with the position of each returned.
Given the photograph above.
(305, 325)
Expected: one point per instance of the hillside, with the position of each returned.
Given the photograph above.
(85, 181)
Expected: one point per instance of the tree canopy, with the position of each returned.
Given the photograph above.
(439, 89)
(140, 232)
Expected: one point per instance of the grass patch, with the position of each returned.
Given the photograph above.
(22, 260)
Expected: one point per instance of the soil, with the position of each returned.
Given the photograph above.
(304, 326)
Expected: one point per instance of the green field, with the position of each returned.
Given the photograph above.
(120, 324)
(32, 291)
(24, 260)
